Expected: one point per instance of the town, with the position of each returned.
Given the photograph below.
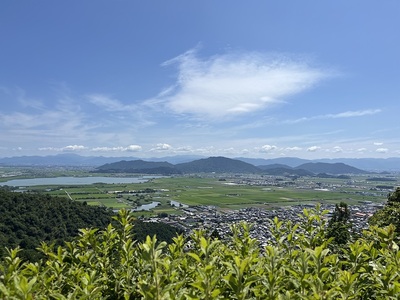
(213, 220)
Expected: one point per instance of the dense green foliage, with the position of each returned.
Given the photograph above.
(27, 219)
(296, 264)
(394, 197)
(164, 232)
(390, 214)
(339, 225)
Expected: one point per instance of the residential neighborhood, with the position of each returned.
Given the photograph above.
(211, 219)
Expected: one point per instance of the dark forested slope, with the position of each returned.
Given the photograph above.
(139, 166)
(28, 219)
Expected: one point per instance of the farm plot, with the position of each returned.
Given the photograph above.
(224, 194)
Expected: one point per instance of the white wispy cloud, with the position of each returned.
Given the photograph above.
(184, 149)
(313, 148)
(233, 84)
(108, 103)
(382, 150)
(378, 144)
(74, 148)
(346, 114)
(68, 148)
(359, 113)
(295, 148)
(63, 118)
(267, 148)
(245, 151)
(337, 149)
(130, 148)
(134, 148)
(49, 149)
(134, 115)
(161, 147)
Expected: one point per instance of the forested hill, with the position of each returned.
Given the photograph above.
(64, 159)
(139, 166)
(205, 165)
(225, 165)
(28, 219)
(217, 164)
(335, 168)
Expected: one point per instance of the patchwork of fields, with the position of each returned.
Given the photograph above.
(230, 192)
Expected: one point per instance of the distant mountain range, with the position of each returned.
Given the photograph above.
(139, 166)
(368, 164)
(204, 165)
(225, 165)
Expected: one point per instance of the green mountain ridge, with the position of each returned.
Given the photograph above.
(225, 165)
(330, 168)
(391, 164)
(139, 166)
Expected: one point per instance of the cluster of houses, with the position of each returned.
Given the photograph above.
(219, 222)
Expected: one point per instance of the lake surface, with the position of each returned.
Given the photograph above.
(178, 204)
(75, 180)
(146, 206)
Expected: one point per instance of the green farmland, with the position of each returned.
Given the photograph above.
(222, 193)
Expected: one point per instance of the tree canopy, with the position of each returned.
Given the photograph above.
(296, 264)
(390, 213)
(339, 225)
(27, 219)
(394, 197)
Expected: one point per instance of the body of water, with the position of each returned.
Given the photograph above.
(178, 204)
(75, 180)
(146, 206)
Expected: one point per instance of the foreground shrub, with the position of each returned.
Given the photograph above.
(296, 264)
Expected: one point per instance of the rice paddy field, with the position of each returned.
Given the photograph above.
(155, 196)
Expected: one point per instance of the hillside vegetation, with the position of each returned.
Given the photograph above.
(28, 219)
(224, 165)
(297, 264)
(330, 168)
(139, 166)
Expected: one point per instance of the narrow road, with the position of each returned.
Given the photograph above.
(69, 196)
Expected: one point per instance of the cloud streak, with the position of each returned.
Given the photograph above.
(79, 148)
(228, 85)
(346, 114)
(130, 148)
(109, 103)
(162, 147)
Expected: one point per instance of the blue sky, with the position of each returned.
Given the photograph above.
(311, 79)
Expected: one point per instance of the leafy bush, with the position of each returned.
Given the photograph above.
(390, 213)
(296, 264)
